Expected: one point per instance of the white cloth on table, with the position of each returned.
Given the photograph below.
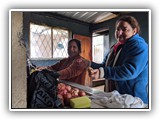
(116, 100)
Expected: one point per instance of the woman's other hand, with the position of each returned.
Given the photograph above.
(93, 73)
(41, 68)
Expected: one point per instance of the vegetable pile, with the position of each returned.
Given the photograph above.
(66, 92)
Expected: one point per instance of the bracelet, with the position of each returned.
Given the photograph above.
(101, 72)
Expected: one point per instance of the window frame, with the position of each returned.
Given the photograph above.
(52, 27)
(104, 32)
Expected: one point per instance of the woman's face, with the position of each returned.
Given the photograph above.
(124, 31)
(73, 49)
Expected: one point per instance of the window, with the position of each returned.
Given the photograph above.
(100, 47)
(100, 44)
(48, 42)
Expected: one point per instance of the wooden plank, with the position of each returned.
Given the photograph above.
(86, 45)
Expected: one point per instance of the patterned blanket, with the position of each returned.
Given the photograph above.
(42, 90)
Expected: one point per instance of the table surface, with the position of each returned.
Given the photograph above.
(91, 92)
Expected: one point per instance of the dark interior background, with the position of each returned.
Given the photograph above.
(77, 27)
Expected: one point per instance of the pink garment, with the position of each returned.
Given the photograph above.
(118, 44)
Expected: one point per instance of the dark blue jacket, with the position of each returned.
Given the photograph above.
(131, 68)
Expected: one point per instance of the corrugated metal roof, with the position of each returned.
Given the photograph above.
(88, 16)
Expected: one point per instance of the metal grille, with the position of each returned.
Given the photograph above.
(60, 42)
(47, 42)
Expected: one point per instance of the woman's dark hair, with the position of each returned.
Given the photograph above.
(131, 20)
(77, 42)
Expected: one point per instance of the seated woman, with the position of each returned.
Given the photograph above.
(42, 84)
(72, 68)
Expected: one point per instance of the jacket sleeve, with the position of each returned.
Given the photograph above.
(134, 61)
(75, 69)
(98, 65)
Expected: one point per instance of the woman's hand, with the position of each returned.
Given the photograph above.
(93, 73)
(41, 68)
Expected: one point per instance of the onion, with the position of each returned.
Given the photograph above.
(61, 86)
(67, 98)
(81, 93)
(76, 89)
(68, 88)
(74, 94)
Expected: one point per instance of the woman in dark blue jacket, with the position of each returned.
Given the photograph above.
(126, 65)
